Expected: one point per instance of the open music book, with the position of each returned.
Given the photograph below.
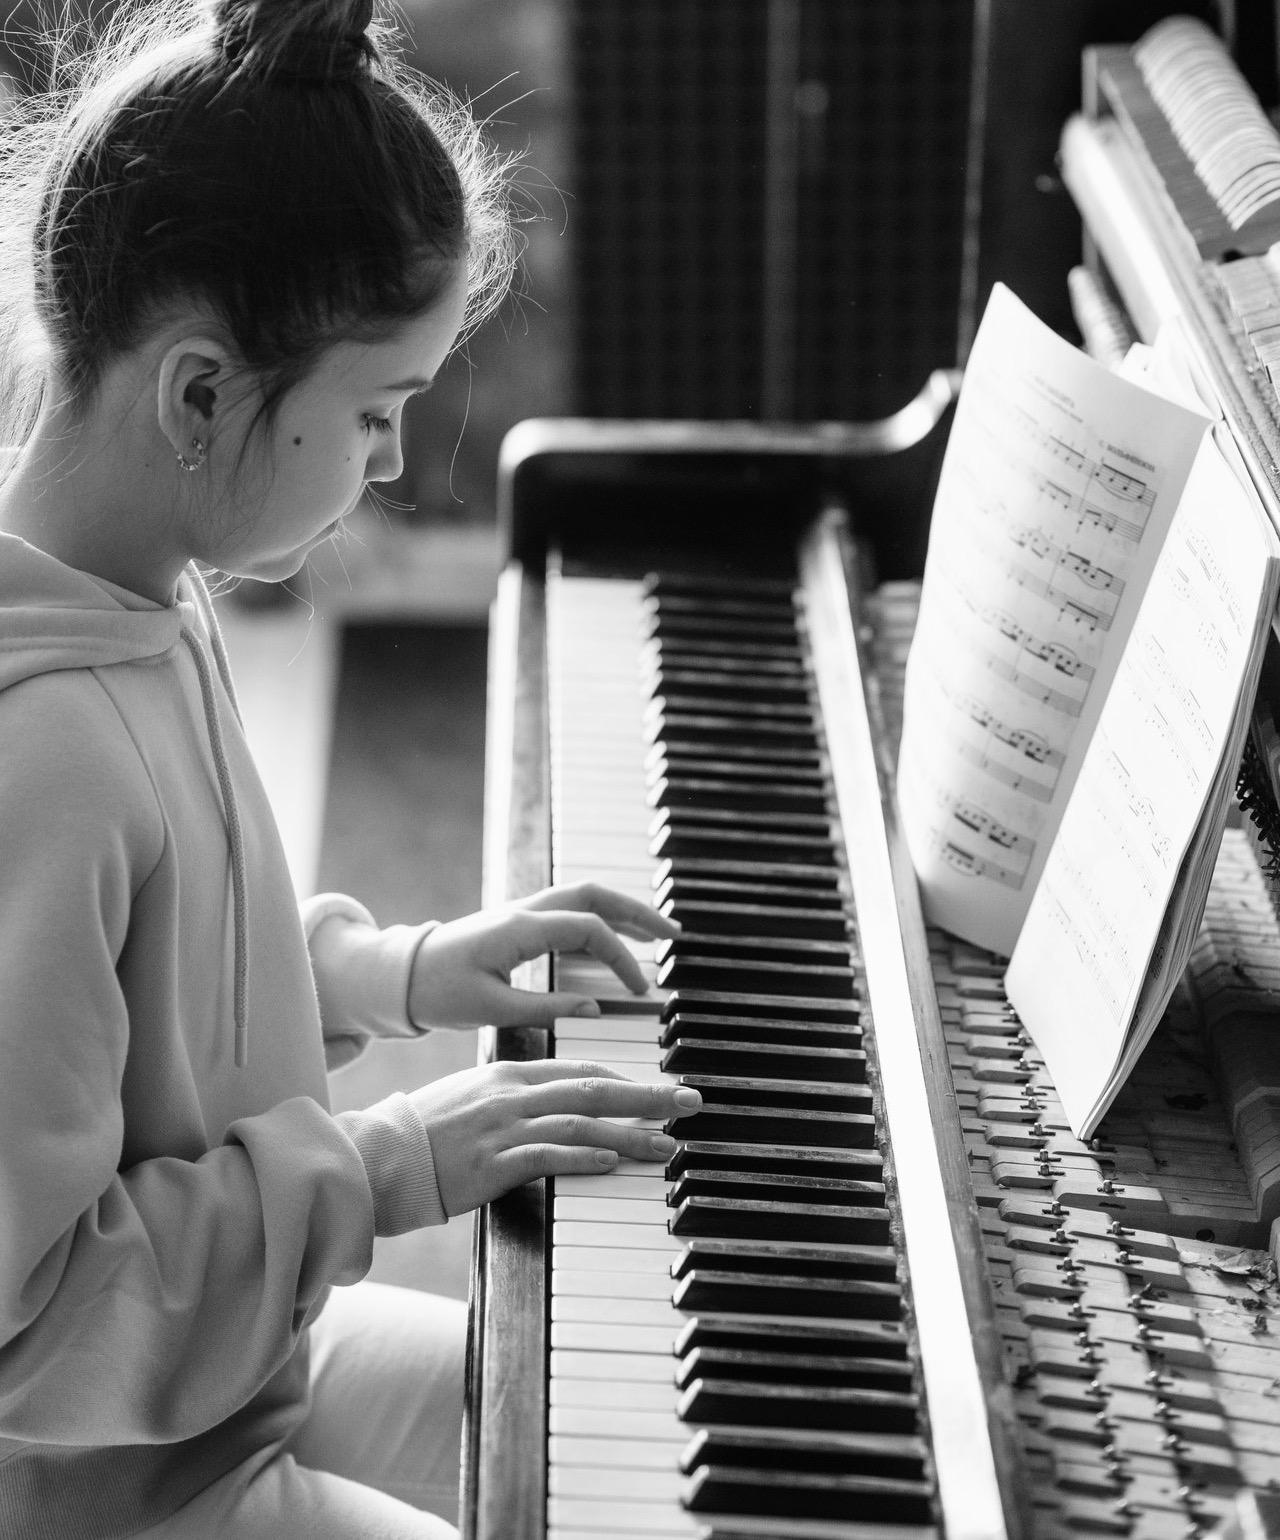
(1100, 582)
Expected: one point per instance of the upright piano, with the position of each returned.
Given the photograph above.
(880, 1292)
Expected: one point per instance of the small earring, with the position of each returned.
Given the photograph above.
(197, 456)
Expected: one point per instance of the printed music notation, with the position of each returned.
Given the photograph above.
(1116, 907)
(1056, 493)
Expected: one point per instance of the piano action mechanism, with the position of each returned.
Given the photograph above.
(880, 1291)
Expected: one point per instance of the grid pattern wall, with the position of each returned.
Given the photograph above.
(767, 203)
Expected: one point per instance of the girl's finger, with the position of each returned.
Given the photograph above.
(524, 1008)
(607, 1096)
(566, 931)
(628, 1140)
(626, 914)
(527, 1162)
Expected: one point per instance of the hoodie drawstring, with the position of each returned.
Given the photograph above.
(232, 815)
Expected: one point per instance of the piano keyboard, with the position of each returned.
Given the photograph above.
(744, 1369)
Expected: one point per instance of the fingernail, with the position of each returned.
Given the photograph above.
(662, 1144)
(606, 1157)
(587, 1008)
(687, 1097)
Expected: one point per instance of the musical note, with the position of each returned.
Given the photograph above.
(1112, 523)
(971, 865)
(1121, 484)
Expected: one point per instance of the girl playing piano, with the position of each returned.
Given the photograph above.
(242, 242)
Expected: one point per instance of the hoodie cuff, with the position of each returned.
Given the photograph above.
(396, 1151)
(362, 972)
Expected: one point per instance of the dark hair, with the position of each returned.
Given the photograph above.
(271, 159)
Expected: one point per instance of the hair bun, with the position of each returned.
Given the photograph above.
(308, 41)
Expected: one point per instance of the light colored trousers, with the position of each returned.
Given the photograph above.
(378, 1457)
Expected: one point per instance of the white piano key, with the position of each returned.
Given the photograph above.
(611, 1259)
(595, 1284)
(618, 1051)
(643, 1237)
(614, 1453)
(613, 1184)
(617, 1310)
(625, 1028)
(618, 1393)
(597, 1517)
(612, 1339)
(639, 1368)
(614, 1482)
(654, 1427)
(607, 1210)
(567, 1532)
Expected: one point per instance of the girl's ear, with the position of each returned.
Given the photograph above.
(192, 374)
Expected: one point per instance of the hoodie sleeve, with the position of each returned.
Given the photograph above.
(362, 974)
(147, 1301)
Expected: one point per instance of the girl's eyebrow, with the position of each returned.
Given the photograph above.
(416, 385)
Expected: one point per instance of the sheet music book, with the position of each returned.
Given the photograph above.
(1099, 586)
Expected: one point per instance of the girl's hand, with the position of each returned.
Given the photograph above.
(462, 974)
(501, 1125)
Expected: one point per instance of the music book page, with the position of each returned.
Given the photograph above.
(1057, 492)
(1123, 890)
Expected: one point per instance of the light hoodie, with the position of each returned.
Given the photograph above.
(170, 1218)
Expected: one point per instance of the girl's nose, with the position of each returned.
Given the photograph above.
(386, 462)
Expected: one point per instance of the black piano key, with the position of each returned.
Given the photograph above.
(778, 1094)
(799, 1495)
(793, 1368)
(704, 658)
(747, 1253)
(792, 711)
(787, 1294)
(709, 821)
(705, 792)
(676, 584)
(783, 761)
(814, 1008)
(699, 944)
(807, 1406)
(671, 679)
(781, 1215)
(888, 1454)
(730, 975)
(783, 1032)
(818, 882)
(721, 728)
(744, 1123)
(682, 629)
(834, 1335)
(758, 1218)
(725, 918)
(698, 842)
(799, 1161)
(698, 1181)
(801, 1061)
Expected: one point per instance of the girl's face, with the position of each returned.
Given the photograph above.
(337, 429)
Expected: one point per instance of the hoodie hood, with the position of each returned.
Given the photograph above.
(53, 617)
(56, 617)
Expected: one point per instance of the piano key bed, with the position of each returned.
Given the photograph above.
(734, 1322)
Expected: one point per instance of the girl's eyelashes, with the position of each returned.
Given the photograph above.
(375, 424)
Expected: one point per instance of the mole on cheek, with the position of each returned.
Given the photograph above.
(297, 441)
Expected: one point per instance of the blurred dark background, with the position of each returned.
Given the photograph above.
(758, 208)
